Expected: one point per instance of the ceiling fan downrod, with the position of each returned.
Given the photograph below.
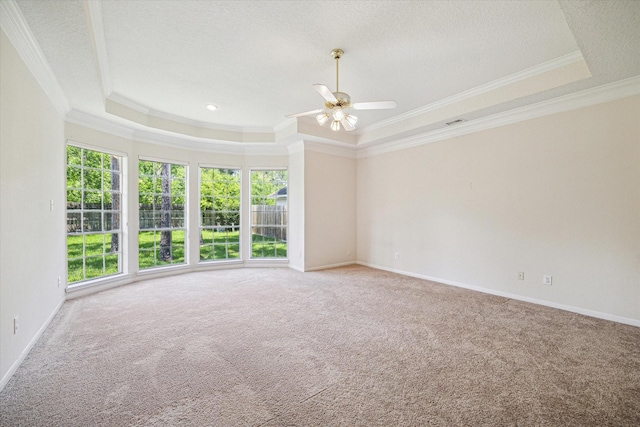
(337, 54)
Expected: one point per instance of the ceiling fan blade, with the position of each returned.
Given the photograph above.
(374, 105)
(306, 113)
(347, 126)
(326, 93)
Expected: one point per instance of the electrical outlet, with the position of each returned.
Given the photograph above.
(59, 281)
(15, 325)
(546, 280)
(397, 255)
(521, 275)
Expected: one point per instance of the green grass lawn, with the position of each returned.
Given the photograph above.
(99, 259)
(215, 245)
(149, 249)
(226, 245)
(267, 247)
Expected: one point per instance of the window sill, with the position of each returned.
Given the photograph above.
(92, 286)
(210, 263)
(267, 262)
(162, 269)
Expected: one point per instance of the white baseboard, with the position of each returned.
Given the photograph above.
(579, 310)
(29, 346)
(324, 267)
(297, 268)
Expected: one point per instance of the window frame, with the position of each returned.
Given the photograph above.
(240, 257)
(121, 231)
(185, 228)
(250, 211)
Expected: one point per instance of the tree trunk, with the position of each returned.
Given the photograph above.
(115, 203)
(165, 213)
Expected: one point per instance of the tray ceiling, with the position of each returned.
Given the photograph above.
(155, 64)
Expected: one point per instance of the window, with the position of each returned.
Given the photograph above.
(162, 200)
(219, 214)
(269, 214)
(94, 212)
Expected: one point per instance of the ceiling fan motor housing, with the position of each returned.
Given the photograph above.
(344, 101)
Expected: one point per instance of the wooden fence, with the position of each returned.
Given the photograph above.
(269, 221)
(150, 218)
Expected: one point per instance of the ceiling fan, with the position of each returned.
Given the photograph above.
(337, 104)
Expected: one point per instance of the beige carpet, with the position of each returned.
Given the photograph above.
(344, 347)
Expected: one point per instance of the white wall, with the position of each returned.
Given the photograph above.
(32, 239)
(329, 209)
(322, 207)
(556, 195)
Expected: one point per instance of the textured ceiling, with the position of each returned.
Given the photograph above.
(258, 59)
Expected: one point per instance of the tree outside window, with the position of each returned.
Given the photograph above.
(219, 214)
(162, 208)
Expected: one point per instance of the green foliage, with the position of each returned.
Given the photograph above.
(93, 185)
(220, 196)
(264, 183)
(93, 180)
(150, 183)
(153, 179)
(90, 178)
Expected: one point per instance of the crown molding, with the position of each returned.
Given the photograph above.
(188, 143)
(317, 147)
(332, 150)
(242, 149)
(585, 98)
(297, 147)
(99, 124)
(146, 111)
(93, 10)
(559, 62)
(17, 30)
(191, 145)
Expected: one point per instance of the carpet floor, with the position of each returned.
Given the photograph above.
(351, 346)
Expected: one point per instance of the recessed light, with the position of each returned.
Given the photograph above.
(212, 107)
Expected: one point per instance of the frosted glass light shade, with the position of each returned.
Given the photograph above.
(338, 114)
(351, 119)
(335, 125)
(322, 118)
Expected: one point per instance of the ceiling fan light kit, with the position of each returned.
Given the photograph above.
(338, 103)
(322, 118)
